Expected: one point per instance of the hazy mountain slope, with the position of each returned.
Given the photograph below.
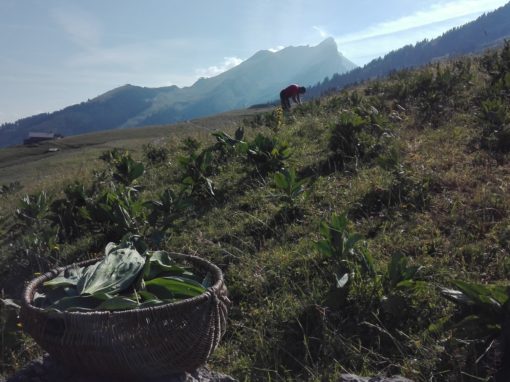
(110, 109)
(255, 80)
(488, 30)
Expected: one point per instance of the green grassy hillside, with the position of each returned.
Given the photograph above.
(31, 165)
(367, 231)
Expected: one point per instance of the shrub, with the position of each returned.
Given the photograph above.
(34, 207)
(116, 211)
(195, 171)
(10, 188)
(124, 168)
(290, 187)
(164, 212)
(69, 213)
(495, 119)
(340, 245)
(190, 145)
(267, 154)
(155, 155)
(354, 139)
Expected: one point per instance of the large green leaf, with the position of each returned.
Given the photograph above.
(399, 270)
(67, 278)
(174, 287)
(482, 295)
(153, 302)
(136, 170)
(118, 303)
(339, 223)
(324, 247)
(411, 284)
(78, 303)
(147, 296)
(280, 181)
(394, 268)
(500, 293)
(161, 262)
(476, 327)
(325, 230)
(116, 272)
(150, 299)
(367, 261)
(456, 296)
(351, 240)
(53, 295)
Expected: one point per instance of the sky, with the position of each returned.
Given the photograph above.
(55, 53)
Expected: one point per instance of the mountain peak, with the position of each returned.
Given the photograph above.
(262, 54)
(330, 41)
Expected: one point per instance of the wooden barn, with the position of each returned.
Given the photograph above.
(40, 137)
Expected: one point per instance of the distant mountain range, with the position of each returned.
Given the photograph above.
(256, 80)
(489, 30)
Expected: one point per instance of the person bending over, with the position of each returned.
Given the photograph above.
(291, 92)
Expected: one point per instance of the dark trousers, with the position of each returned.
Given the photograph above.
(285, 101)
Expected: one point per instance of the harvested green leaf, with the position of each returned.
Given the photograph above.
(67, 278)
(174, 287)
(147, 296)
(118, 303)
(161, 262)
(78, 303)
(51, 296)
(116, 272)
(154, 302)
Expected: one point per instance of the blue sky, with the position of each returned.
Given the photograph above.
(54, 53)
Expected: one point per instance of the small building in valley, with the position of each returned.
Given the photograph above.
(36, 137)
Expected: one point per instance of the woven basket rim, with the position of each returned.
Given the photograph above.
(34, 284)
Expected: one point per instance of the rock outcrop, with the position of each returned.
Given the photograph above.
(44, 369)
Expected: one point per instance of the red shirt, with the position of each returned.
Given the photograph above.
(290, 91)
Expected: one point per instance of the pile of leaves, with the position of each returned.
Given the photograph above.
(123, 279)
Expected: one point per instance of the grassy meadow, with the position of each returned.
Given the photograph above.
(364, 232)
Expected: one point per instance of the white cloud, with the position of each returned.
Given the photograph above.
(277, 49)
(436, 13)
(379, 39)
(211, 71)
(79, 26)
(322, 32)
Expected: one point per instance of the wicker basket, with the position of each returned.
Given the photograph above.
(149, 342)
